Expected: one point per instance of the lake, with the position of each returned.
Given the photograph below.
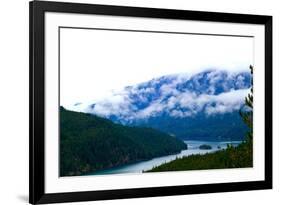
(193, 148)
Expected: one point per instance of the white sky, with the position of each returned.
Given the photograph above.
(94, 62)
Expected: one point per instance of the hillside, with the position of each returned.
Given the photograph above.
(226, 127)
(89, 143)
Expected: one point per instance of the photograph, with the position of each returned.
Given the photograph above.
(141, 101)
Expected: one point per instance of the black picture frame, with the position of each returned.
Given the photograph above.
(37, 194)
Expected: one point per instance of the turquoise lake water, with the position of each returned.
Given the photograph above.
(193, 148)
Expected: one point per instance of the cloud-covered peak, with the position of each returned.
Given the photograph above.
(179, 95)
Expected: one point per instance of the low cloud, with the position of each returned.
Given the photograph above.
(180, 105)
(226, 102)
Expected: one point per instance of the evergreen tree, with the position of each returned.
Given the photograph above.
(246, 112)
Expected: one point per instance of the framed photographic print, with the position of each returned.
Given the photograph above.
(140, 102)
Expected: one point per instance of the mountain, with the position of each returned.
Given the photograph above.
(89, 143)
(203, 106)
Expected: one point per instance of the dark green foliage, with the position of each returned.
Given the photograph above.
(232, 157)
(89, 143)
(246, 113)
(226, 127)
(205, 146)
